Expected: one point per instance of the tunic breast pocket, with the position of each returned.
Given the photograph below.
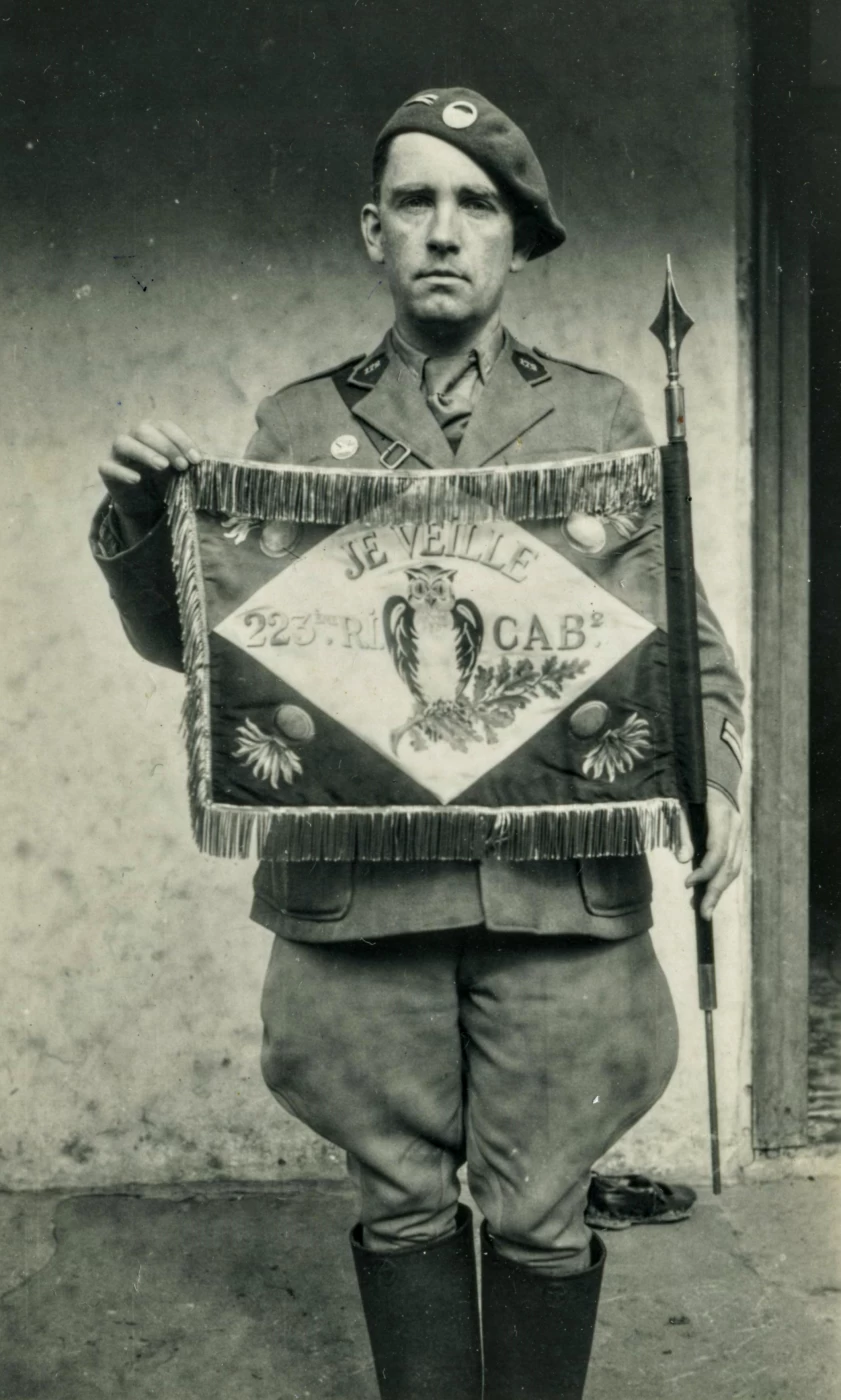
(319, 890)
(615, 885)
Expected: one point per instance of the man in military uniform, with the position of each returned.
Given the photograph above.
(510, 1015)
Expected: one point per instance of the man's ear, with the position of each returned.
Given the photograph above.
(525, 237)
(372, 233)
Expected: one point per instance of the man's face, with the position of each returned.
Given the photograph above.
(444, 231)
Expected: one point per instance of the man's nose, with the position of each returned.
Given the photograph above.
(443, 234)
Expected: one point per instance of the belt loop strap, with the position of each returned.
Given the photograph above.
(391, 462)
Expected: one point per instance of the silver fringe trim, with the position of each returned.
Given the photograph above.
(622, 483)
(564, 832)
(195, 716)
(441, 833)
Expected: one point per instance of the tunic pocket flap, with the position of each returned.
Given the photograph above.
(614, 885)
(306, 889)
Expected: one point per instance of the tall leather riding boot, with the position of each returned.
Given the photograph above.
(537, 1331)
(422, 1309)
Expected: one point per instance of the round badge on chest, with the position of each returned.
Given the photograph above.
(344, 446)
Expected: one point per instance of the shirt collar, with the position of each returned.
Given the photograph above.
(487, 347)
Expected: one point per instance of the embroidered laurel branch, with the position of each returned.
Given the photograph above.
(268, 755)
(617, 750)
(499, 692)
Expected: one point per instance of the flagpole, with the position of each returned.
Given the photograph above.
(670, 326)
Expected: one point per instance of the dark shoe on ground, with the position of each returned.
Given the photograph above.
(617, 1202)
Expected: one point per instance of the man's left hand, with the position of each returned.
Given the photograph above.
(723, 856)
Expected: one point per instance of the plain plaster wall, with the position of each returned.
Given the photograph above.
(183, 189)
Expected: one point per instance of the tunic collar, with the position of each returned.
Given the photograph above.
(487, 348)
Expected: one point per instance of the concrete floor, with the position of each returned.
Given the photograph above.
(243, 1294)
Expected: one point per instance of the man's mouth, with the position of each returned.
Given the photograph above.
(442, 274)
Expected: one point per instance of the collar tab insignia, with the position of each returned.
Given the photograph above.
(372, 372)
(530, 367)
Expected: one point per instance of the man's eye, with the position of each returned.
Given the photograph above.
(482, 205)
(415, 201)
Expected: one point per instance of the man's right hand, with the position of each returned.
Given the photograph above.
(141, 464)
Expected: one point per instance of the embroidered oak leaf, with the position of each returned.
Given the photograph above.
(497, 694)
(268, 756)
(618, 750)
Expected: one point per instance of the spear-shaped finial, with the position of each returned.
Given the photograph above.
(670, 325)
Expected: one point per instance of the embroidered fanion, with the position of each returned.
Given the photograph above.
(387, 665)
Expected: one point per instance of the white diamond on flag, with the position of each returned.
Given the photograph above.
(443, 646)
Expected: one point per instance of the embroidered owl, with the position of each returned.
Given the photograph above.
(434, 638)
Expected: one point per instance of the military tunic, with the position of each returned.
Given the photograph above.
(532, 408)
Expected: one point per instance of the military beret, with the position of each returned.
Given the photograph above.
(472, 124)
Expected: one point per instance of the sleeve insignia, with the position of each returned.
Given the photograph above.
(732, 740)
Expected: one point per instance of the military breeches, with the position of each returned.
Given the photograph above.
(526, 1057)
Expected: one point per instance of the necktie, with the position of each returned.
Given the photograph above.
(450, 382)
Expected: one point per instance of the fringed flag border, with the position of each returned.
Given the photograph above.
(624, 481)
